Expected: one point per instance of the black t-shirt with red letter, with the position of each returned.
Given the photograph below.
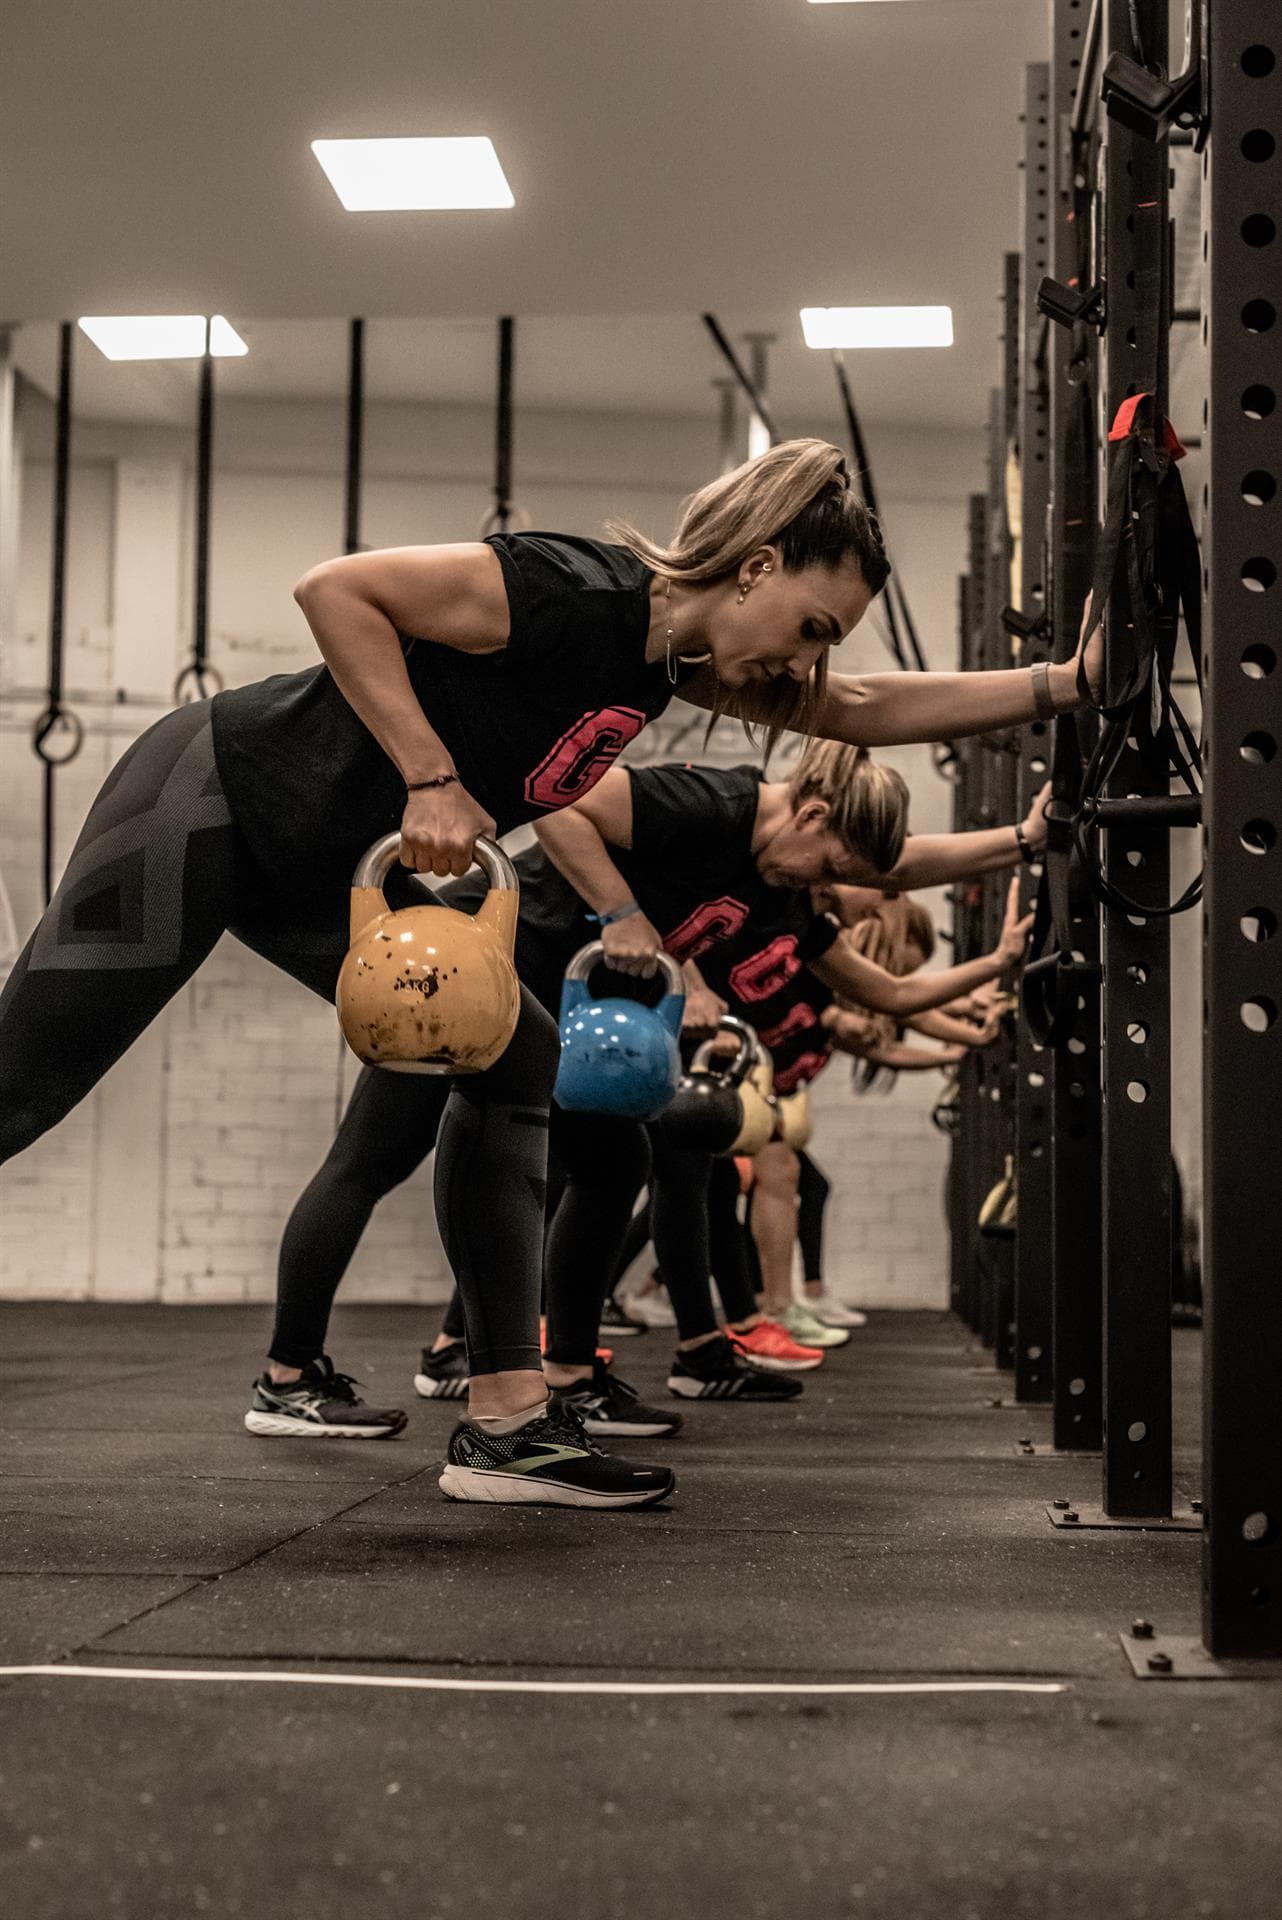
(530, 728)
(693, 874)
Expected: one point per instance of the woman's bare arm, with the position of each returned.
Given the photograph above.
(578, 841)
(850, 974)
(357, 607)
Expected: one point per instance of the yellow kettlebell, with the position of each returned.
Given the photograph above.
(428, 989)
(755, 1116)
(754, 1095)
(794, 1120)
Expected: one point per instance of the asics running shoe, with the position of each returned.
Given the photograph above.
(322, 1402)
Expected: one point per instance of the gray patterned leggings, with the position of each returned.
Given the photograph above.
(159, 873)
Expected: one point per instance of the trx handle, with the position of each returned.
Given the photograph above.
(1051, 990)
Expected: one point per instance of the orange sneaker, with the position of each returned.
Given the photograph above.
(770, 1346)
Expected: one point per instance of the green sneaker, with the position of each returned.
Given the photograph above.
(810, 1331)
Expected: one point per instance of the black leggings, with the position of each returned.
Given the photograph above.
(812, 1197)
(691, 1216)
(159, 872)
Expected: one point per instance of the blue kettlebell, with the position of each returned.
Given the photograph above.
(617, 1056)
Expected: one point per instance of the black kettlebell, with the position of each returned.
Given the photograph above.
(706, 1111)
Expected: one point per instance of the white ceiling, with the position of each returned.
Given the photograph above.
(667, 157)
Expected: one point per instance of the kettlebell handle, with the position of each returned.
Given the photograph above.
(591, 955)
(384, 854)
(738, 1068)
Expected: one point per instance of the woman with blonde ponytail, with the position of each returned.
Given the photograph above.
(464, 690)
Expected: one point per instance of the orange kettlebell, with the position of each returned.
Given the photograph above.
(428, 989)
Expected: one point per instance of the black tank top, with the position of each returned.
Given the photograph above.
(529, 728)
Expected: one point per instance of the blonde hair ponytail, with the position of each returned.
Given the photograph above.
(797, 496)
(867, 802)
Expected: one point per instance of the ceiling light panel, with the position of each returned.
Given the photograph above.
(161, 336)
(413, 176)
(877, 326)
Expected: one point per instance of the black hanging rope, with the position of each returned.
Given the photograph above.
(58, 735)
(900, 625)
(355, 437)
(503, 512)
(503, 424)
(732, 360)
(198, 680)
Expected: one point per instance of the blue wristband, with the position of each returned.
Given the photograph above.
(620, 913)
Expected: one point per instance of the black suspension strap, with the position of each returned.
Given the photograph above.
(198, 680)
(1149, 544)
(58, 735)
(1054, 977)
(504, 512)
(895, 595)
(755, 399)
(352, 473)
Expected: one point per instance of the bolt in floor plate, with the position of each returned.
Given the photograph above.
(1092, 1519)
(1168, 1656)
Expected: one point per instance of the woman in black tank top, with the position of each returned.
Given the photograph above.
(464, 689)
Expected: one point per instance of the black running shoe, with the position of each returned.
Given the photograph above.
(322, 1402)
(551, 1462)
(616, 1324)
(444, 1374)
(607, 1405)
(715, 1372)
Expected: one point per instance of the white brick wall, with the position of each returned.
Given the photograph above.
(234, 1097)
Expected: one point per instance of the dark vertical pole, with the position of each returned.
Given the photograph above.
(58, 593)
(1076, 1174)
(959, 1181)
(1137, 1053)
(972, 757)
(1242, 1047)
(998, 1246)
(1034, 1065)
(986, 534)
(204, 483)
(355, 437)
(502, 513)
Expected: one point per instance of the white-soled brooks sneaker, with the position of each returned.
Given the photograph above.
(550, 1461)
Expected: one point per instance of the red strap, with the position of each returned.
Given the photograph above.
(1124, 426)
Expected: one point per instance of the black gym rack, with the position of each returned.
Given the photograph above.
(1077, 1305)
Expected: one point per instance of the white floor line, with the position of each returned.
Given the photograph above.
(422, 1684)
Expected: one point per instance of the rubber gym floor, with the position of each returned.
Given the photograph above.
(884, 1532)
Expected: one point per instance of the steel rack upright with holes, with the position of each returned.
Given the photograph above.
(1034, 1067)
(1073, 356)
(1242, 1036)
(1136, 947)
